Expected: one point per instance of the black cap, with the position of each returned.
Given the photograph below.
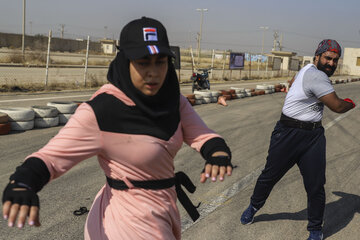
(142, 37)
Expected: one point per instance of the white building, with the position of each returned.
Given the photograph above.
(108, 46)
(351, 62)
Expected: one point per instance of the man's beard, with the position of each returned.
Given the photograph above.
(327, 69)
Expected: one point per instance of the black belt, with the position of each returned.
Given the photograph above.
(294, 123)
(180, 179)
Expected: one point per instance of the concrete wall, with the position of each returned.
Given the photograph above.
(38, 42)
(350, 60)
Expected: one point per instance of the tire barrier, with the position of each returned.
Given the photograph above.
(4, 118)
(19, 114)
(64, 117)
(46, 122)
(66, 109)
(22, 126)
(45, 116)
(45, 111)
(238, 90)
(20, 119)
(55, 113)
(5, 126)
(206, 100)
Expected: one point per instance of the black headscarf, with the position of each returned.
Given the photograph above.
(163, 108)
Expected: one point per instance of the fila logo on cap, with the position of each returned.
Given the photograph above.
(150, 34)
(153, 49)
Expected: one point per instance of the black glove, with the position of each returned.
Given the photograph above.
(21, 194)
(219, 160)
(28, 179)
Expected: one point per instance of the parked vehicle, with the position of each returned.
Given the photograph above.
(200, 79)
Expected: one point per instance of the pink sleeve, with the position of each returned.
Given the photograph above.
(195, 131)
(79, 139)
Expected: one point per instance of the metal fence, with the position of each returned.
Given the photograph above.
(85, 67)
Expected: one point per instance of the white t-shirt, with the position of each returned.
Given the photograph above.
(302, 100)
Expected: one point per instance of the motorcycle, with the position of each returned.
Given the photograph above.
(200, 79)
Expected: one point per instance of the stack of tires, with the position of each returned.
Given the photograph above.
(233, 94)
(45, 116)
(66, 110)
(5, 126)
(214, 96)
(20, 119)
(204, 95)
(239, 92)
(226, 94)
(266, 88)
(249, 92)
(278, 87)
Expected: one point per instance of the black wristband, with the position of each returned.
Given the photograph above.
(33, 172)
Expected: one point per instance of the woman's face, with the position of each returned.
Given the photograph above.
(148, 74)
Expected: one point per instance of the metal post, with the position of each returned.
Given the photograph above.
(212, 63)
(202, 10)
(263, 39)
(266, 68)
(223, 70)
(250, 66)
(48, 59)
(86, 59)
(192, 59)
(23, 29)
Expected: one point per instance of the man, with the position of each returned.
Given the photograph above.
(298, 138)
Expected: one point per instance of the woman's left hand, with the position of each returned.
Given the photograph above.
(214, 170)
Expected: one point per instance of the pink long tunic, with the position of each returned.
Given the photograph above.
(134, 213)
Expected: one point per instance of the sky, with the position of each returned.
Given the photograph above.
(227, 24)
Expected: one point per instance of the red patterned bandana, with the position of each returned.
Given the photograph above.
(328, 45)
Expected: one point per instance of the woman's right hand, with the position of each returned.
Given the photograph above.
(20, 202)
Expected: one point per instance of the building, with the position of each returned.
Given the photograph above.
(108, 46)
(351, 62)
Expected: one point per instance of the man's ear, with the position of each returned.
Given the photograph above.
(316, 59)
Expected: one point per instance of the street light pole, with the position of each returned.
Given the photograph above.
(262, 47)
(23, 30)
(263, 39)
(202, 10)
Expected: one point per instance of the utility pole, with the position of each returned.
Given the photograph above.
(105, 27)
(23, 30)
(30, 22)
(263, 39)
(202, 10)
(275, 40)
(62, 30)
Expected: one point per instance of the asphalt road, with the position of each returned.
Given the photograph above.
(246, 124)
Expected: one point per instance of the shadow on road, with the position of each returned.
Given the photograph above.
(338, 214)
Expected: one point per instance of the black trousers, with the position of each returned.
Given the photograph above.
(307, 149)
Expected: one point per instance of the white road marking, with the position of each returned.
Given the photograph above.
(206, 209)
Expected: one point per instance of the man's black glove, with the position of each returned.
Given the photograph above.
(21, 194)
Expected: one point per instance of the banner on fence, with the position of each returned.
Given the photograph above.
(255, 57)
(236, 61)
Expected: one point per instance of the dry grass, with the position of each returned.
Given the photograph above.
(14, 86)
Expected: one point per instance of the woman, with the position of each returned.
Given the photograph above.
(135, 125)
